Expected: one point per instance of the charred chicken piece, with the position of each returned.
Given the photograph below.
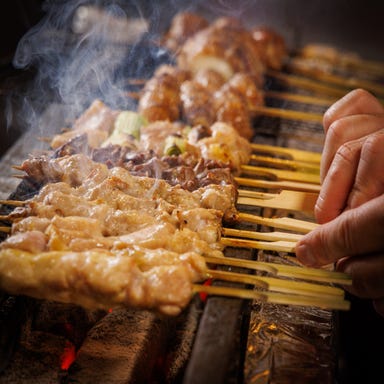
(272, 46)
(226, 47)
(160, 98)
(183, 26)
(197, 104)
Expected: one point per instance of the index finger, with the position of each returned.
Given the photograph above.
(355, 102)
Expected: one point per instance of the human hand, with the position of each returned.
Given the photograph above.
(353, 157)
(351, 201)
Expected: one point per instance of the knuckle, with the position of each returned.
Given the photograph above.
(346, 153)
(336, 131)
(365, 98)
(329, 118)
(360, 93)
(373, 145)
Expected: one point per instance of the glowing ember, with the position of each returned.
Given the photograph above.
(68, 356)
(203, 295)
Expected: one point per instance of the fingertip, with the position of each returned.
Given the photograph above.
(324, 210)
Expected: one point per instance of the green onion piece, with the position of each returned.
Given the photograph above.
(174, 146)
(129, 123)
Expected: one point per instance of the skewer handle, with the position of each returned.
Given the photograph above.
(281, 174)
(286, 223)
(288, 200)
(269, 184)
(287, 114)
(291, 153)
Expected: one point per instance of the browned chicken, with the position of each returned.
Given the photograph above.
(224, 46)
(97, 121)
(272, 46)
(160, 98)
(183, 26)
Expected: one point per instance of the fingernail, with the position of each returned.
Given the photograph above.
(305, 255)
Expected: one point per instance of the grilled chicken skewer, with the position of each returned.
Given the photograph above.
(60, 232)
(62, 226)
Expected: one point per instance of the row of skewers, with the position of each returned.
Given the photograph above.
(214, 82)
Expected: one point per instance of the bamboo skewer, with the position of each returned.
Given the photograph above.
(290, 153)
(5, 229)
(289, 200)
(278, 285)
(15, 203)
(268, 184)
(281, 174)
(376, 67)
(348, 83)
(277, 246)
(283, 270)
(296, 97)
(287, 114)
(285, 223)
(308, 84)
(17, 167)
(343, 60)
(294, 164)
(267, 236)
(276, 298)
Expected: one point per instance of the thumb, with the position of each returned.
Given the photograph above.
(355, 232)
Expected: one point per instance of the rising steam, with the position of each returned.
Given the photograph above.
(84, 50)
(81, 52)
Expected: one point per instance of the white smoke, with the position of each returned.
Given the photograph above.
(78, 51)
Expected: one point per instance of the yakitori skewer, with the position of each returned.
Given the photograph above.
(14, 203)
(271, 112)
(286, 223)
(278, 285)
(268, 184)
(286, 163)
(347, 83)
(308, 84)
(281, 174)
(283, 270)
(287, 114)
(277, 246)
(299, 98)
(289, 200)
(289, 153)
(329, 55)
(276, 298)
(280, 95)
(266, 236)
